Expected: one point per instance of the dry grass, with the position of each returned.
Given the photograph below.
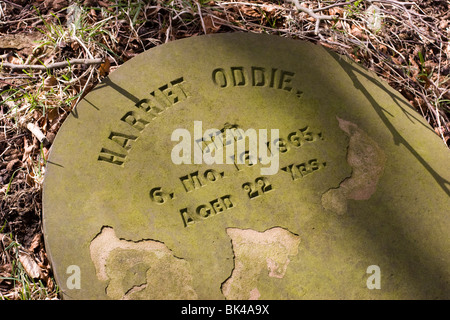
(406, 43)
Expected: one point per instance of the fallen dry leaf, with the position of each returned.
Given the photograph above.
(31, 267)
(56, 5)
(104, 68)
(358, 32)
(210, 26)
(14, 60)
(425, 79)
(50, 82)
(5, 272)
(36, 243)
(11, 164)
(336, 11)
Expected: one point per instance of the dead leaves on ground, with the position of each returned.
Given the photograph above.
(33, 261)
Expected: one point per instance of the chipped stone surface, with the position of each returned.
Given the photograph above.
(256, 254)
(367, 160)
(140, 270)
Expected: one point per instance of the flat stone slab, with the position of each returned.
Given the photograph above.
(341, 191)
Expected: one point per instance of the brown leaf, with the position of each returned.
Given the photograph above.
(74, 45)
(50, 82)
(106, 5)
(28, 150)
(36, 243)
(15, 60)
(397, 61)
(23, 41)
(425, 79)
(56, 5)
(11, 164)
(414, 67)
(210, 26)
(336, 11)
(250, 11)
(104, 68)
(382, 48)
(358, 32)
(52, 114)
(5, 271)
(31, 267)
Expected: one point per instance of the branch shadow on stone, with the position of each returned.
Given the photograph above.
(426, 273)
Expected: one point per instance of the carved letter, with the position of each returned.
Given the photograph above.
(238, 76)
(191, 182)
(219, 78)
(258, 76)
(135, 120)
(111, 157)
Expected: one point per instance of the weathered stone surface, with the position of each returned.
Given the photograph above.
(362, 180)
(133, 269)
(257, 253)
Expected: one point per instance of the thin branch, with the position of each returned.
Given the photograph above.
(312, 14)
(334, 5)
(36, 131)
(201, 18)
(55, 65)
(17, 77)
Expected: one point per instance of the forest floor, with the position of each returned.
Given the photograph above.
(405, 43)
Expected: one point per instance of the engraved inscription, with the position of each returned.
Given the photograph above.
(298, 171)
(192, 181)
(206, 210)
(159, 196)
(258, 188)
(111, 156)
(242, 161)
(297, 139)
(123, 140)
(255, 76)
(145, 111)
(135, 120)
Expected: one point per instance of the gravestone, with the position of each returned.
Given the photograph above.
(244, 166)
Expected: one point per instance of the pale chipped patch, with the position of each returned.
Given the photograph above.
(145, 269)
(254, 253)
(367, 160)
(254, 294)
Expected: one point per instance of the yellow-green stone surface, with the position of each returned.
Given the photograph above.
(359, 208)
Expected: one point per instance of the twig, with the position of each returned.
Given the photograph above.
(13, 4)
(84, 89)
(201, 18)
(36, 131)
(334, 5)
(55, 65)
(253, 5)
(17, 77)
(392, 2)
(312, 14)
(84, 47)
